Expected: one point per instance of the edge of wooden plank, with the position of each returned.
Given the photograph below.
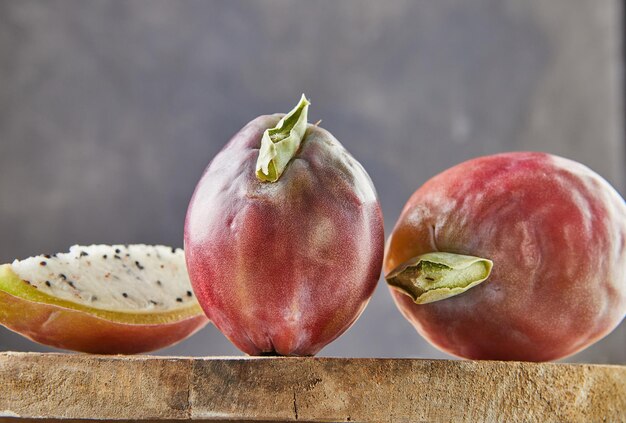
(75, 386)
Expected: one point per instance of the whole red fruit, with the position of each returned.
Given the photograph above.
(284, 267)
(556, 233)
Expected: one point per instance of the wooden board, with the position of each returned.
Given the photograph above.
(70, 386)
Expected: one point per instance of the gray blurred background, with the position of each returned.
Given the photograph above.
(110, 110)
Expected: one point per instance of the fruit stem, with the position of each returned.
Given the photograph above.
(436, 276)
(280, 143)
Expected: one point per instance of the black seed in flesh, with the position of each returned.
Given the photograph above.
(162, 266)
(47, 256)
(139, 266)
(153, 302)
(83, 254)
(180, 300)
(42, 263)
(159, 283)
(94, 298)
(189, 294)
(125, 295)
(117, 257)
(117, 250)
(104, 256)
(48, 283)
(173, 250)
(127, 255)
(62, 276)
(70, 283)
(27, 282)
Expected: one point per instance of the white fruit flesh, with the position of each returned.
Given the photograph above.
(117, 278)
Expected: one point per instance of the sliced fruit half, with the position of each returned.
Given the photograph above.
(105, 299)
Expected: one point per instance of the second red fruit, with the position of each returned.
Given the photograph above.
(555, 232)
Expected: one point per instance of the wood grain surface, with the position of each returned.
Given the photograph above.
(70, 386)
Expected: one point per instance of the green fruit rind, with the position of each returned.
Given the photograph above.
(11, 284)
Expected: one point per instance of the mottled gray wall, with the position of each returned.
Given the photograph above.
(110, 110)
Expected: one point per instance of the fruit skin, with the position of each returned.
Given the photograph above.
(556, 232)
(79, 331)
(284, 267)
